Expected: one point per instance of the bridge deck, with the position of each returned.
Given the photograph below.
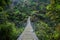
(28, 33)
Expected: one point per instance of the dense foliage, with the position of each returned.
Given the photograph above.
(51, 20)
(10, 22)
(45, 15)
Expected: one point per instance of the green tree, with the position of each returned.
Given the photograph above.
(54, 15)
(3, 4)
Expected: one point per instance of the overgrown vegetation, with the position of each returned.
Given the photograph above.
(45, 15)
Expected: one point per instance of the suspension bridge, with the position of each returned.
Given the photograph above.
(28, 33)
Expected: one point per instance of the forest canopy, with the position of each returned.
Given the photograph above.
(45, 17)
